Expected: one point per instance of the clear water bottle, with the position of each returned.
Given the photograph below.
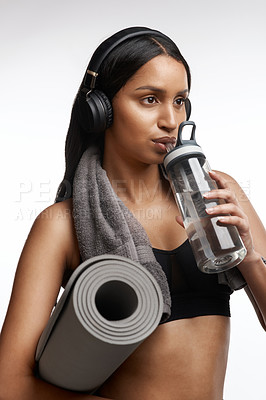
(216, 248)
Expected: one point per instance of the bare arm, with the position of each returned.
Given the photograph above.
(50, 248)
(253, 234)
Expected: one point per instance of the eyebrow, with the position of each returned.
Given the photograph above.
(156, 89)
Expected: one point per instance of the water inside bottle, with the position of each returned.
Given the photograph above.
(216, 247)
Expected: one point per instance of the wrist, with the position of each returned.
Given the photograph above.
(252, 258)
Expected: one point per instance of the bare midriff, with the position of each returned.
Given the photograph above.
(184, 359)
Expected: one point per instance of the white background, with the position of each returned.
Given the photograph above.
(45, 48)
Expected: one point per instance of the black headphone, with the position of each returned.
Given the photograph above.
(99, 113)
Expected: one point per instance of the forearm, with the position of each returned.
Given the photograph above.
(31, 388)
(254, 272)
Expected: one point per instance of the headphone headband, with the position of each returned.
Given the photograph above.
(108, 45)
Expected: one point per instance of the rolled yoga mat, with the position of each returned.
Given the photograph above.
(109, 306)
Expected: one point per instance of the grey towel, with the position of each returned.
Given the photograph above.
(104, 225)
(233, 278)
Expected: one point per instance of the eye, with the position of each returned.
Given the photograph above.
(149, 100)
(180, 101)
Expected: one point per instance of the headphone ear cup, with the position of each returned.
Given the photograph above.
(188, 108)
(99, 112)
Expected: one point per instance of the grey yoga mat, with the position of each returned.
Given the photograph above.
(109, 306)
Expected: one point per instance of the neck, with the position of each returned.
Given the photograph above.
(135, 183)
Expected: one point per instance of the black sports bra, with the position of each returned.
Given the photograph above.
(193, 292)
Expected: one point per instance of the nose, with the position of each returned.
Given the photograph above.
(168, 119)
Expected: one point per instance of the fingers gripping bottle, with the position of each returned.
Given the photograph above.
(216, 248)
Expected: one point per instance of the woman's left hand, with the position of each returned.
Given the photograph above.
(244, 217)
(236, 217)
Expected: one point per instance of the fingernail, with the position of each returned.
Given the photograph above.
(209, 210)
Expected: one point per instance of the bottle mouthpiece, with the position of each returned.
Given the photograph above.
(169, 146)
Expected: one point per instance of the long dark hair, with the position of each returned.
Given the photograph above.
(116, 69)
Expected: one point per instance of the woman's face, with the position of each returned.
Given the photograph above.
(148, 110)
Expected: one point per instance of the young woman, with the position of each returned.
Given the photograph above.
(147, 82)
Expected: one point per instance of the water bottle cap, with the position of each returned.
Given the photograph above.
(184, 148)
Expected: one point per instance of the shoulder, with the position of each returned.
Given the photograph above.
(57, 212)
(256, 225)
(230, 183)
(226, 177)
(54, 229)
(233, 185)
(55, 219)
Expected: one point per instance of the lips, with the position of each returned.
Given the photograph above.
(163, 141)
